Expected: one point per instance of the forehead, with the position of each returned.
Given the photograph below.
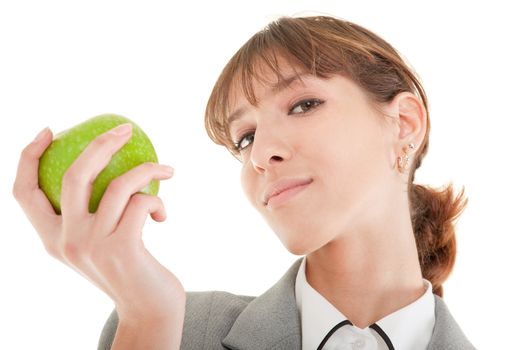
(264, 71)
(249, 86)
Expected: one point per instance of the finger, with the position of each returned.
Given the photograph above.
(134, 217)
(26, 189)
(78, 179)
(120, 190)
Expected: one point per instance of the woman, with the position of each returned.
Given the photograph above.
(330, 125)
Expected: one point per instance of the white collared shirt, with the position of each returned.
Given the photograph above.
(409, 328)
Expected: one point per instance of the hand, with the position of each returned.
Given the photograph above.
(105, 247)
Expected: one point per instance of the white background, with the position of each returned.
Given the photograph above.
(62, 62)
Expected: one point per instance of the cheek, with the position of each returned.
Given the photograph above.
(349, 158)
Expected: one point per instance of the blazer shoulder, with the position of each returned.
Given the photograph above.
(208, 318)
(447, 333)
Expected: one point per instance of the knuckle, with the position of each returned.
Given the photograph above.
(141, 201)
(17, 192)
(103, 146)
(69, 251)
(73, 177)
(53, 251)
(72, 252)
(117, 184)
(101, 140)
(157, 201)
(27, 152)
(138, 200)
(150, 166)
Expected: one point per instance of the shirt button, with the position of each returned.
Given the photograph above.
(358, 344)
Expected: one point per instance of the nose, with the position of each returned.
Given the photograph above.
(269, 148)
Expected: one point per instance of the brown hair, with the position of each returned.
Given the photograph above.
(325, 46)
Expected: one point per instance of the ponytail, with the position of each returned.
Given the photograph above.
(433, 213)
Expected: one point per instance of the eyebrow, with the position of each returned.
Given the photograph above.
(275, 89)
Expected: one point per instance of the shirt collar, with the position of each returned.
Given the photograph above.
(410, 327)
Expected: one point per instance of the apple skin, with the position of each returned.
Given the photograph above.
(68, 145)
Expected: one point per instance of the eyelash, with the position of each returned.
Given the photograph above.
(314, 103)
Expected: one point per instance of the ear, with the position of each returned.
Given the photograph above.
(411, 118)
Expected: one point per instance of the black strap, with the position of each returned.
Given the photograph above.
(374, 326)
(325, 339)
(383, 335)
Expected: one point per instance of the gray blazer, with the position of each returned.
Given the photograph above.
(220, 320)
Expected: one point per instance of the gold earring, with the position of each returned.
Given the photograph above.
(404, 160)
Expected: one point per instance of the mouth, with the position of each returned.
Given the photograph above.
(284, 194)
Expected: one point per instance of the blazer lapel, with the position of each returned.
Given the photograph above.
(271, 321)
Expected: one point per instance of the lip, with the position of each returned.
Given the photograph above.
(282, 185)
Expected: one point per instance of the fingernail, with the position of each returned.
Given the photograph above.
(168, 170)
(121, 130)
(41, 134)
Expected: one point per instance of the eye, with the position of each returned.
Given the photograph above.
(300, 107)
(305, 105)
(240, 145)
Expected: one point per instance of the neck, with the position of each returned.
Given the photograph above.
(368, 274)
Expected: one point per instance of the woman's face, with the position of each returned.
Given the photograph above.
(320, 131)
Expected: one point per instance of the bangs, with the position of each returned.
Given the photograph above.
(261, 67)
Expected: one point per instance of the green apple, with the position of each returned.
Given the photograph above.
(68, 145)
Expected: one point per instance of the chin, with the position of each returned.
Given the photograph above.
(299, 247)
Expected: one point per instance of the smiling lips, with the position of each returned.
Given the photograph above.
(276, 188)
